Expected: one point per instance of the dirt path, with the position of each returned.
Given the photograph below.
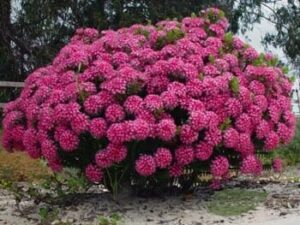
(282, 206)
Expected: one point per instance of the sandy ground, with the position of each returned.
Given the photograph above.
(291, 220)
(282, 207)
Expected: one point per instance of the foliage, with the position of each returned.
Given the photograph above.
(233, 202)
(291, 152)
(113, 219)
(47, 216)
(152, 110)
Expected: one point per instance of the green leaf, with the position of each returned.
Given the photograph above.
(285, 70)
(174, 35)
(260, 60)
(234, 85)
(144, 32)
(115, 216)
(79, 69)
(200, 76)
(221, 14)
(43, 213)
(211, 59)
(292, 79)
(160, 42)
(274, 61)
(212, 17)
(228, 37)
(171, 37)
(193, 15)
(226, 124)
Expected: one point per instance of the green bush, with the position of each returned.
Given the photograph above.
(291, 153)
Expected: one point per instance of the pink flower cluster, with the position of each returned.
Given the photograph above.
(199, 93)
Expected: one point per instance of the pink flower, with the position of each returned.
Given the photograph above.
(93, 173)
(115, 86)
(213, 137)
(203, 151)
(284, 133)
(163, 158)
(166, 129)
(169, 99)
(195, 105)
(210, 70)
(289, 118)
(198, 120)
(187, 134)
(145, 165)
(153, 102)
(257, 87)
(222, 65)
(92, 104)
(216, 184)
(245, 145)
(117, 152)
(231, 138)
(233, 107)
(140, 129)
(219, 166)
(178, 89)
(272, 141)
(275, 113)
(49, 150)
(114, 113)
(250, 54)
(231, 60)
(104, 158)
(194, 87)
(255, 114)
(55, 166)
(133, 104)
(213, 120)
(263, 129)
(184, 155)
(243, 123)
(245, 96)
(80, 123)
(261, 101)
(118, 133)
(68, 141)
(238, 43)
(277, 165)
(34, 152)
(175, 170)
(217, 29)
(251, 165)
(98, 127)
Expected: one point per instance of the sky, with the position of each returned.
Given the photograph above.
(254, 38)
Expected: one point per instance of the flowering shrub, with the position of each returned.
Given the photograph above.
(149, 103)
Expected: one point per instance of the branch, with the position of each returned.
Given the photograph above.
(19, 43)
(274, 13)
(269, 19)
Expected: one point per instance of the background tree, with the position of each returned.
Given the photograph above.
(33, 31)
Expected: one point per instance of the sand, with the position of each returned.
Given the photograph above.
(281, 207)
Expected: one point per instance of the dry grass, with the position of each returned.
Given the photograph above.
(18, 166)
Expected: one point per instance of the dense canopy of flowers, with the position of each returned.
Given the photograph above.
(152, 99)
